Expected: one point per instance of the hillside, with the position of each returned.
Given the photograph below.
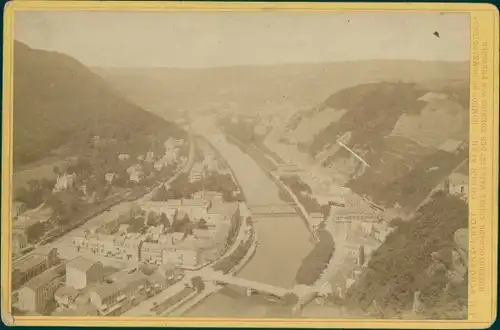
(409, 261)
(410, 135)
(60, 105)
(274, 89)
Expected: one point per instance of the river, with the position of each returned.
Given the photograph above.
(283, 242)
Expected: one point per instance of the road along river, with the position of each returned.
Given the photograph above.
(283, 241)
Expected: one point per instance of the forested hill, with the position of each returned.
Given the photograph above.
(411, 135)
(403, 265)
(60, 105)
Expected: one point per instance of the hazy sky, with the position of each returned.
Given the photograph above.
(193, 39)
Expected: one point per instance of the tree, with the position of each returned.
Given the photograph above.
(290, 299)
(160, 194)
(135, 210)
(151, 219)
(202, 224)
(163, 220)
(198, 283)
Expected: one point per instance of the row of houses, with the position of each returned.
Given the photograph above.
(158, 246)
(83, 287)
(34, 264)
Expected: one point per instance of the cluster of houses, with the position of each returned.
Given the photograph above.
(31, 222)
(358, 230)
(85, 287)
(172, 156)
(158, 245)
(210, 164)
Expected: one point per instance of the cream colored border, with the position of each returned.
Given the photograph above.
(484, 147)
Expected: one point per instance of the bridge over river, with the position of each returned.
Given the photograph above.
(209, 275)
(283, 240)
(273, 210)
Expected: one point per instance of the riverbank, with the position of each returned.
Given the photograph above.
(212, 288)
(283, 242)
(268, 171)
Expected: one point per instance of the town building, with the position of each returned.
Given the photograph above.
(224, 212)
(81, 272)
(30, 225)
(197, 172)
(64, 182)
(33, 265)
(114, 298)
(458, 184)
(65, 296)
(173, 143)
(150, 157)
(360, 247)
(210, 162)
(152, 253)
(123, 157)
(351, 217)
(135, 173)
(195, 209)
(37, 292)
(110, 177)
(128, 247)
(164, 276)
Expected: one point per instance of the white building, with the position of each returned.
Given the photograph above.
(149, 157)
(123, 157)
(197, 172)
(110, 177)
(81, 272)
(458, 185)
(64, 182)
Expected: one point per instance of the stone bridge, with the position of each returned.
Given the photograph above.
(254, 286)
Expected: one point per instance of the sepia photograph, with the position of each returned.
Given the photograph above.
(242, 165)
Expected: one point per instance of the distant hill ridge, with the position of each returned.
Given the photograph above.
(266, 88)
(58, 102)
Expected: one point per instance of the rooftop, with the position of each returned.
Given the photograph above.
(43, 279)
(122, 282)
(81, 264)
(28, 263)
(66, 291)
